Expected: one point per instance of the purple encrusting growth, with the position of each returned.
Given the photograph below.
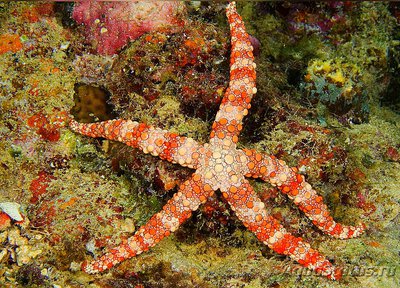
(110, 26)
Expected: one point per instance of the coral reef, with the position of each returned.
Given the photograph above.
(85, 181)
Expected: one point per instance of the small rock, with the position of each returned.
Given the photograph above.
(15, 238)
(12, 210)
(3, 254)
(25, 254)
(3, 236)
(74, 266)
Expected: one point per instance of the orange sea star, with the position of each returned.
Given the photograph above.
(221, 166)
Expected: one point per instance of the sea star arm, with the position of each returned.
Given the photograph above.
(236, 101)
(157, 142)
(251, 211)
(303, 195)
(178, 209)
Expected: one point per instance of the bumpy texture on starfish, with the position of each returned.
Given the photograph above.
(220, 165)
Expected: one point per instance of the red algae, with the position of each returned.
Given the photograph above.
(39, 186)
(48, 126)
(5, 221)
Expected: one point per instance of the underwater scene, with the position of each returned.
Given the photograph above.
(199, 144)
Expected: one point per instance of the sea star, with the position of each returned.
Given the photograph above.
(220, 165)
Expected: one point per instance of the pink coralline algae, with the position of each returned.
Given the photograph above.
(110, 25)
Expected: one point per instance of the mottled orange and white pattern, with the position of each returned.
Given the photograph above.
(219, 165)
